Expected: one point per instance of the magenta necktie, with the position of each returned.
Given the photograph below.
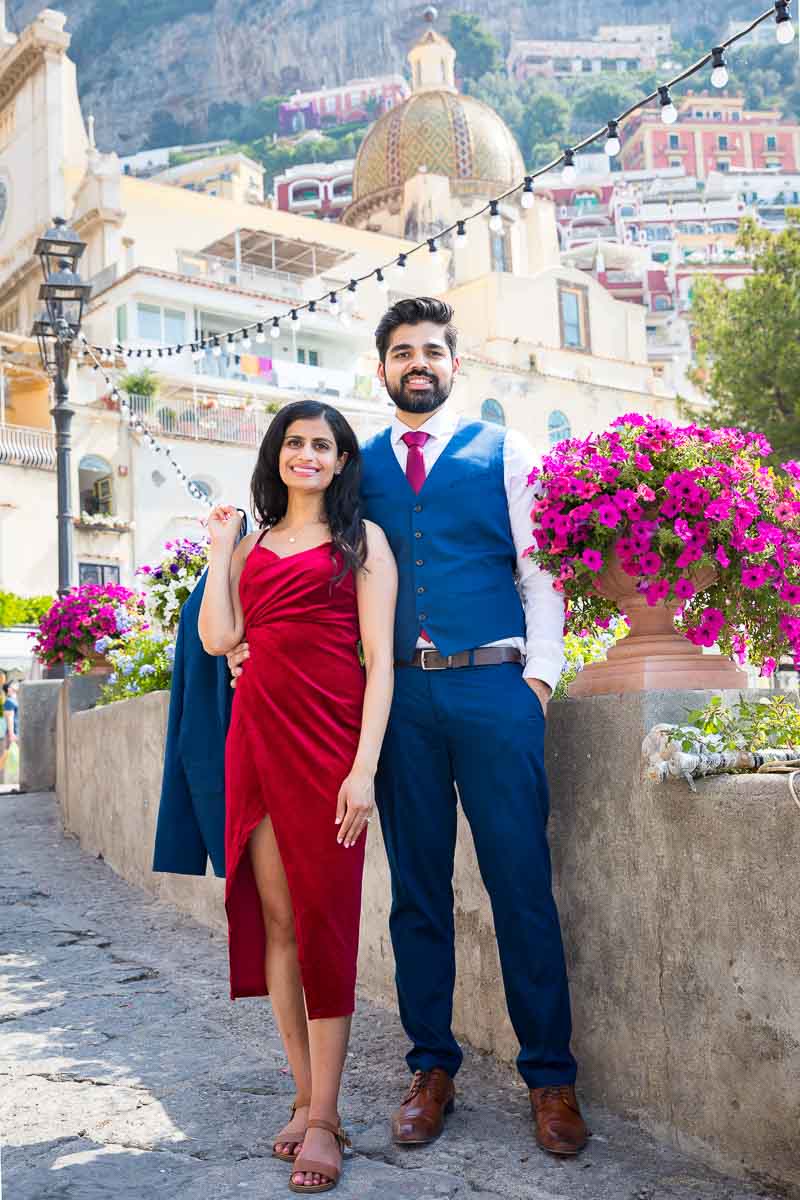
(415, 463)
(415, 472)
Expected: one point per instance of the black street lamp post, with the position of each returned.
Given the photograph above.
(65, 295)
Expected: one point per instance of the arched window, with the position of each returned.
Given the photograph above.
(204, 485)
(492, 410)
(96, 485)
(558, 427)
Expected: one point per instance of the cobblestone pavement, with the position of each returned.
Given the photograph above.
(125, 1071)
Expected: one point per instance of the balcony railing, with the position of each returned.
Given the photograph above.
(330, 381)
(209, 269)
(203, 418)
(22, 447)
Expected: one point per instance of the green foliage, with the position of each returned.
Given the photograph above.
(142, 663)
(165, 130)
(770, 721)
(276, 156)
(748, 341)
(596, 102)
(539, 117)
(243, 122)
(23, 610)
(589, 646)
(140, 383)
(477, 52)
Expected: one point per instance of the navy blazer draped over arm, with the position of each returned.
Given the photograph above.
(191, 815)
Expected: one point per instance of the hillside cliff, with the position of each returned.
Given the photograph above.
(139, 57)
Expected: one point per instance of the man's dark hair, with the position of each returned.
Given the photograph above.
(414, 312)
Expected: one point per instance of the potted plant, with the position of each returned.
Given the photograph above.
(81, 625)
(169, 582)
(669, 524)
(141, 387)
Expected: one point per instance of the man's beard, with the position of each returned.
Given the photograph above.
(419, 402)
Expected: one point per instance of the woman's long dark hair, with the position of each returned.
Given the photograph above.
(269, 494)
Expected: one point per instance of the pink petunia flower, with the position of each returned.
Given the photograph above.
(684, 588)
(651, 563)
(593, 559)
(753, 577)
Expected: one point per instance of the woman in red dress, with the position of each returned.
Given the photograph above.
(306, 731)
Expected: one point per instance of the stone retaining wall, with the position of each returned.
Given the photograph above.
(681, 917)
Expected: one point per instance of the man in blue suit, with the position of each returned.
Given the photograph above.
(478, 649)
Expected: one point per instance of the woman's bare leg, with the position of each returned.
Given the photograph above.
(281, 962)
(328, 1038)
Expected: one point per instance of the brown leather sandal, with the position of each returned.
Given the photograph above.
(284, 1138)
(309, 1166)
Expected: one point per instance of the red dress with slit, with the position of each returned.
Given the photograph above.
(292, 741)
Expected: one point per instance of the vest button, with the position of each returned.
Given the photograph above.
(423, 617)
(420, 562)
(417, 508)
(420, 591)
(417, 533)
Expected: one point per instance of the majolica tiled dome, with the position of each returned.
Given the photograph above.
(445, 133)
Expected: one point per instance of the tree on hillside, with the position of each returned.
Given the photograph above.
(547, 119)
(477, 52)
(600, 101)
(748, 341)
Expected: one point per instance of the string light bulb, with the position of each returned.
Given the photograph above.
(527, 197)
(495, 220)
(197, 353)
(461, 233)
(295, 320)
(569, 172)
(719, 72)
(245, 339)
(400, 265)
(350, 294)
(613, 144)
(669, 113)
(216, 349)
(333, 301)
(784, 26)
(275, 331)
(381, 280)
(261, 337)
(432, 245)
(312, 309)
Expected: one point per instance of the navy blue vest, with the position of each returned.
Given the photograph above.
(455, 554)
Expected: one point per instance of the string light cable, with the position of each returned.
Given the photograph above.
(136, 423)
(609, 133)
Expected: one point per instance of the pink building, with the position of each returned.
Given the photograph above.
(712, 133)
(354, 101)
(316, 189)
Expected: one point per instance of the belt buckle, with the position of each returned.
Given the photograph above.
(423, 661)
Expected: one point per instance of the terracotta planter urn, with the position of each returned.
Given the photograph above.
(654, 656)
(100, 664)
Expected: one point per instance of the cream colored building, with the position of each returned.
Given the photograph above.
(544, 348)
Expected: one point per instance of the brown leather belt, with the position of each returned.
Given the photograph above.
(484, 656)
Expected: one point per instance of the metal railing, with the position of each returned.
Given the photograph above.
(204, 417)
(208, 268)
(23, 447)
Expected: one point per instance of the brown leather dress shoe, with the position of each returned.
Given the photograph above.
(560, 1128)
(420, 1117)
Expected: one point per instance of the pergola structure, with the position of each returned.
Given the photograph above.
(271, 252)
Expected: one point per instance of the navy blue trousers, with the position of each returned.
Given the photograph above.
(482, 730)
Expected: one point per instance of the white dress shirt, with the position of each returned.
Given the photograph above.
(543, 647)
